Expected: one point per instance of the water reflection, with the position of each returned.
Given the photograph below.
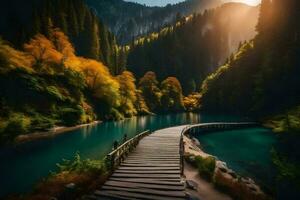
(24, 165)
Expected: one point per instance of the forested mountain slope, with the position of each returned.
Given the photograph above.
(129, 20)
(60, 66)
(263, 75)
(262, 80)
(51, 71)
(195, 46)
(20, 20)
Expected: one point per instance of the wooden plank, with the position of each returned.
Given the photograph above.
(103, 195)
(150, 165)
(149, 168)
(149, 181)
(144, 185)
(162, 153)
(151, 171)
(134, 195)
(176, 193)
(152, 159)
(152, 162)
(152, 156)
(146, 175)
(148, 172)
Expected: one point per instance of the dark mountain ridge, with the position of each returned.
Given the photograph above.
(194, 47)
(127, 20)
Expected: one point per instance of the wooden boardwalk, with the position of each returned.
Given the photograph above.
(151, 171)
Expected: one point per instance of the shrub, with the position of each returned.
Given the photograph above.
(17, 124)
(205, 166)
(71, 116)
(78, 165)
(41, 123)
(115, 115)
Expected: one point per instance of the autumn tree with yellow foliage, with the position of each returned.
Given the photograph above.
(172, 98)
(128, 93)
(55, 86)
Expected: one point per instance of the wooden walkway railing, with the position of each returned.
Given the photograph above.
(208, 127)
(114, 158)
(152, 167)
(152, 170)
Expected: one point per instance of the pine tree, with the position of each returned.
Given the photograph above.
(73, 19)
(265, 17)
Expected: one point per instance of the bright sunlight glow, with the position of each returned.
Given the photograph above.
(249, 2)
(165, 2)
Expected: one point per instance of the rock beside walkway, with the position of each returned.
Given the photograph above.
(224, 178)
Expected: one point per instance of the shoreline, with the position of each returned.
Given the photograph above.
(52, 133)
(223, 175)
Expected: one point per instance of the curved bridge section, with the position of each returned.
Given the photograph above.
(220, 126)
(150, 166)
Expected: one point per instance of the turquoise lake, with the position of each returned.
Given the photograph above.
(246, 151)
(24, 165)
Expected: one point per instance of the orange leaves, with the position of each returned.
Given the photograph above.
(11, 58)
(98, 78)
(127, 85)
(56, 52)
(101, 82)
(52, 55)
(172, 83)
(128, 93)
(62, 43)
(42, 50)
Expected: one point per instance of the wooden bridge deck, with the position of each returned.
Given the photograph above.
(151, 171)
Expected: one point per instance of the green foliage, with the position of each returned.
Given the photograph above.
(260, 78)
(141, 105)
(172, 98)
(16, 124)
(128, 93)
(115, 115)
(194, 46)
(286, 169)
(79, 165)
(41, 123)
(54, 92)
(206, 166)
(91, 38)
(155, 97)
(71, 116)
(151, 92)
(286, 122)
(125, 18)
(288, 172)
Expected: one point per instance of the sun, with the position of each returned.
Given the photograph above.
(249, 2)
(252, 2)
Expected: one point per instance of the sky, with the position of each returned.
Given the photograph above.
(165, 2)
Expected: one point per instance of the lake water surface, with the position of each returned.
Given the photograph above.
(246, 151)
(23, 166)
